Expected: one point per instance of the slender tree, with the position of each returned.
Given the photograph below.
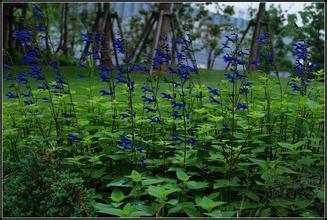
(254, 51)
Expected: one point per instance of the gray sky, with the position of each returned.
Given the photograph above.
(291, 7)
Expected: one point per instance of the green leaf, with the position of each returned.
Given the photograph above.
(206, 203)
(225, 183)
(117, 195)
(127, 209)
(157, 191)
(196, 185)
(107, 209)
(181, 175)
(151, 181)
(136, 176)
(121, 182)
(219, 213)
(161, 192)
(265, 212)
(190, 210)
(173, 202)
(280, 203)
(97, 174)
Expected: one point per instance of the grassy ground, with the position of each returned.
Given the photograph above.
(208, 78)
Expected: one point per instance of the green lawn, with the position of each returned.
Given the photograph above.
(208, 78)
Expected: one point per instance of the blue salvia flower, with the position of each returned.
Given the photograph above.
(36, 7)
(241, 106)
(118, 44)
(125, 143)
(140, 149)
(104, 68)
(255, 62)
(148, 100)
(130, 85)
(99, 37)
(96, 57)
(105, 92)
(82, 65)
(45, 99)
(229, 77)
(171, 70)
(176, 138)
(180, 56)
(295, 87)
(73, 137)
(261, 54)
(243, 90)
(248, 84)
(142, 160)
(239, 76)
(59, 79)
(228, 58)
(225, 127)
(225, 45)
(123, 115)
(5, 66)
(176, 84)
(56, 86)
(147, 109)
(146, 89)
(213, 91)
(191, 141)
(166, 95)
(213, 100)
(54, 65)
(28, 102)
(43, 86)
(30, 57)
(37, 15)
(176, 115)
(154, 120)
(21, 78)
(29, 94)
(178, 104)
(86, 38)
(65, 115)
(104, 77)
(11, 95)
(23, 36)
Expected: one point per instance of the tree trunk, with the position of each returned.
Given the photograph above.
(209, 58)
(94, 28)
(65, 30)
(255, 44)
(105, 49)
(61, 28)
(165, 26)
(11, 28)
(47, 45)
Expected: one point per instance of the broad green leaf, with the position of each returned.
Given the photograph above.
(220, 213)
(225, 183)
(136, 176)
(196, 185)
(107, 209)
(280, 203)
(121, 182)
(117, 195)
(151, 181)
(206, 203)
(181, 175)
